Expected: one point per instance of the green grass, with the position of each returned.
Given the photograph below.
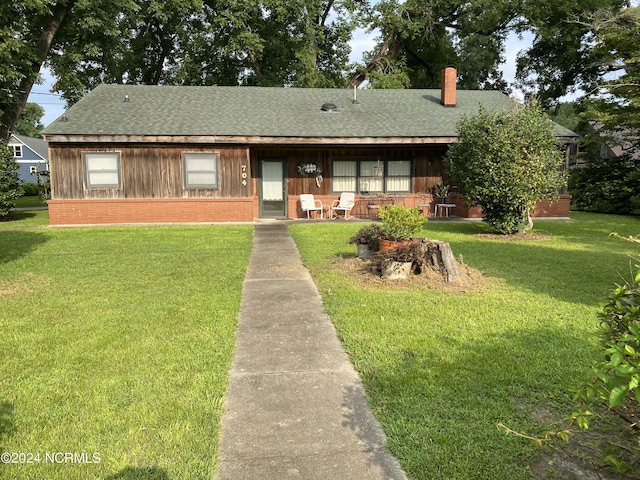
(26, 218)
(118, 341)
(28, 201)
(443, 368)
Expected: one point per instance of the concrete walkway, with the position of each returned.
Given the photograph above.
(295, 407)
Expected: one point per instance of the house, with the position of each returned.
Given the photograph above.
(142, 154)
(32, 156)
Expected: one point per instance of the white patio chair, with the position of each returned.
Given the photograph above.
(344, 204)
(310, 204)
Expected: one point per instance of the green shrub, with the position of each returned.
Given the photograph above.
(10, 188)
(506, 162)
(401, 223)
(29, 189)
(618, 376)
(609, 186)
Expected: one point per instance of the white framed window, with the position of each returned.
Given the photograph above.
(102, 169)
(398, 176)
(345, 176)
(371, 176)
(200, 170)
(16, 150)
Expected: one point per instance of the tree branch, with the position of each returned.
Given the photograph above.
(52, 24)
(389, 49)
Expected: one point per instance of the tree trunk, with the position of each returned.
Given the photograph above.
(52, 23)
(529, 225)
(389, 49)
(437, 256)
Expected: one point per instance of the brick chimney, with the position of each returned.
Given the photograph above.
(448, 87)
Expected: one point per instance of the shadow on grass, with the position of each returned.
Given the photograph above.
(441, 407)
(6, 419)
(16, 216)
(357, 417)
(583, 276)
(7, 427)
(139, 473)
(17, 244)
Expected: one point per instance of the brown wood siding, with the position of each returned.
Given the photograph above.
(427, 164)
(149, 172)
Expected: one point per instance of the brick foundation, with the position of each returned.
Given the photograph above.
(152, 210)
(557, 209)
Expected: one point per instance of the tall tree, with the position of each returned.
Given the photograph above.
(428, 36)
(420, 38)
(29, 123)
(562, 58)
(27, 29)
(610, 182)
(615, 104)
(191, 42)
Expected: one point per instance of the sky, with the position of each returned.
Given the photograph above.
(362, 41)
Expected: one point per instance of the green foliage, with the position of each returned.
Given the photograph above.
(606, 186)
(618, 376)
(301, 43)
(617, 105)
(30, 189)
(566, 114)
(505, 162)
(10, 188)
(29, 123)
(369, 234)
(400, 222)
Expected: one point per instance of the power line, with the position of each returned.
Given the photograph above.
(45, 93)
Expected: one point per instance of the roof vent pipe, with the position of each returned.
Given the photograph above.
(448, 87)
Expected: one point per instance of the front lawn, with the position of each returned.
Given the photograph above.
(116, 346)
(443, 368)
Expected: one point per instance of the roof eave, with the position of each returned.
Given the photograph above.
(250, 139)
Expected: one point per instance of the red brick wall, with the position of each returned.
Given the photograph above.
(557, 209)
(151, 210)
(205, 210)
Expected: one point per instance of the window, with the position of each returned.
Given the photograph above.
(371, 176)
(102, 169)
(16, 150)
(200, 170)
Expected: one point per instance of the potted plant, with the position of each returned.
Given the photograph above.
(442, 191)
(367, 240)
(397, 262)
(399, 224)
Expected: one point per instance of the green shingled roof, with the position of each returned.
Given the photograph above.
(271, 112)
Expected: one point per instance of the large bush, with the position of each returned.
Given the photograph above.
(609, 186)
(506, 162)
(10, 188)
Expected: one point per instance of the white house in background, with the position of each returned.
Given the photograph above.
(31, 154)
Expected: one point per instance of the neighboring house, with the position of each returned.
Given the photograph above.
(614, 144)
(141, 154)
(32, 155)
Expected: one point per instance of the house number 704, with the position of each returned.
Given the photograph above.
(244, 175)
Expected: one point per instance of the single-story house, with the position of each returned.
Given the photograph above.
(142, 154)
(32, 156)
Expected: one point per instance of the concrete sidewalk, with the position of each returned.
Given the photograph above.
(295, 407)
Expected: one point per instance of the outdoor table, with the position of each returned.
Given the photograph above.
(446, 207)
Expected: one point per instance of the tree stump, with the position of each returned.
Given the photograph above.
(437, 256)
